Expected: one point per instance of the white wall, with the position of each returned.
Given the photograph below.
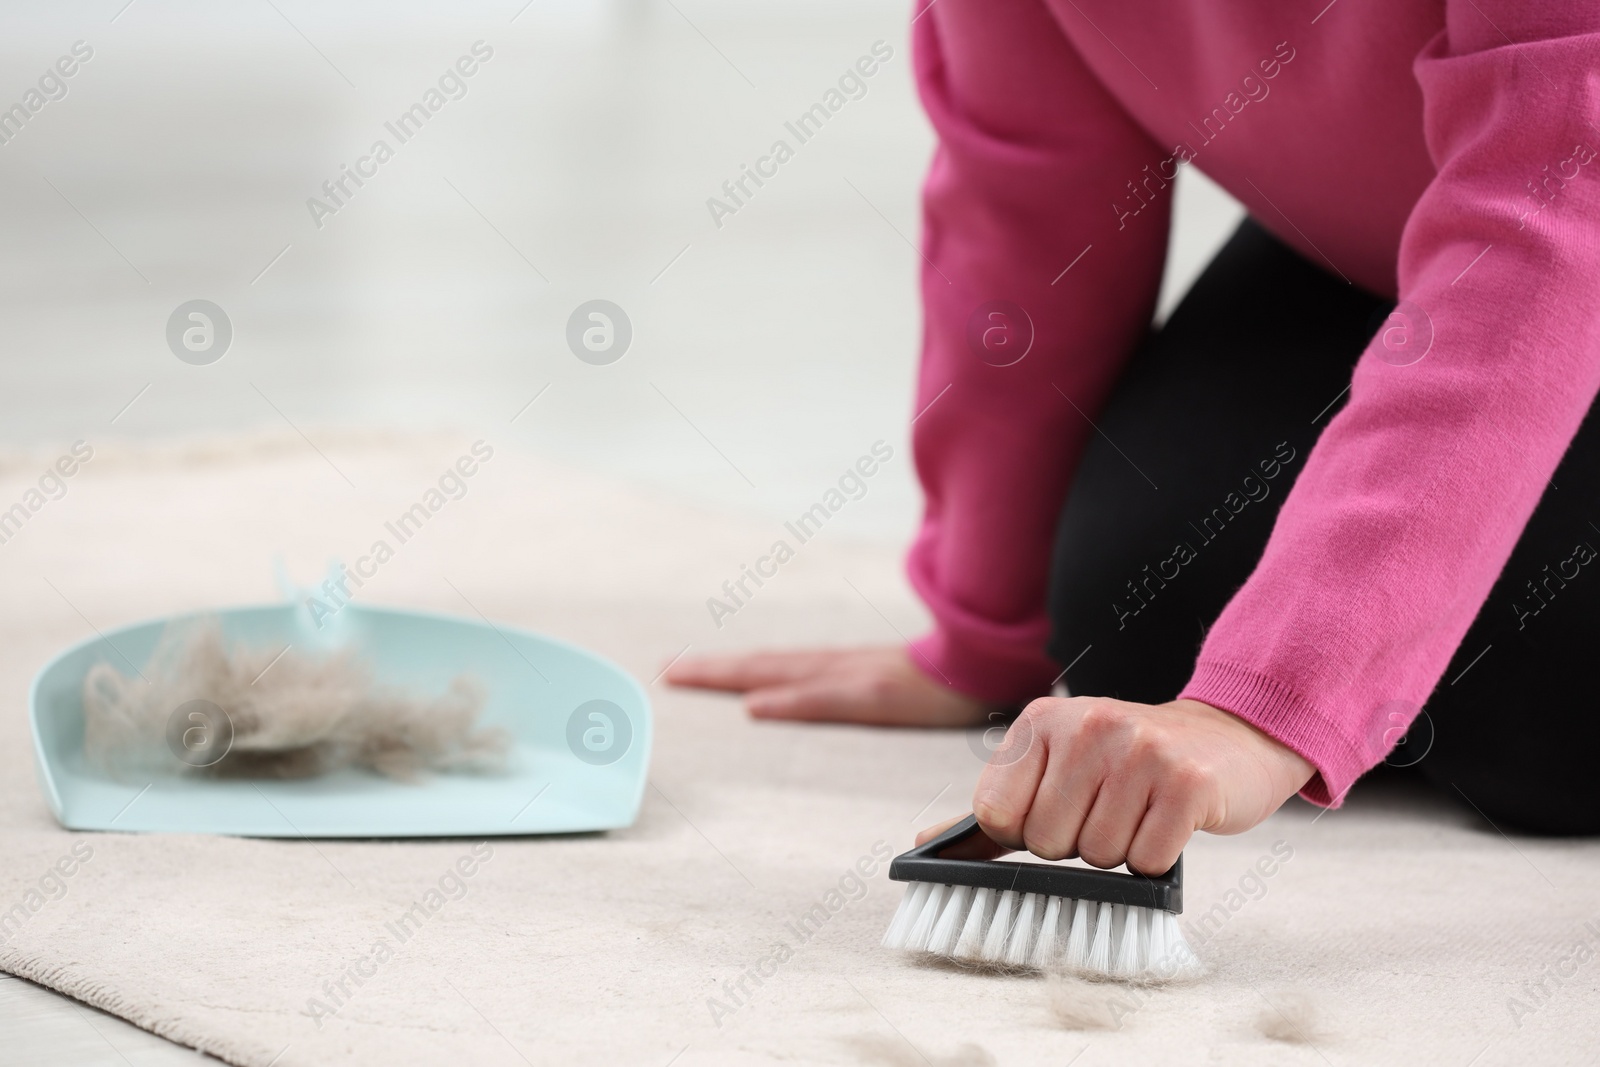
(180, 162)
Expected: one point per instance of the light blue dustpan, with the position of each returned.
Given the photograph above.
(581, 729)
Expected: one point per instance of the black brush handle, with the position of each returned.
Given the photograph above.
(924, 864)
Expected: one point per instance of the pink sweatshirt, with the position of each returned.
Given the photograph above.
(1435, 151)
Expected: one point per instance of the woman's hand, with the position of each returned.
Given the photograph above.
(875, 685)
(1116, 782)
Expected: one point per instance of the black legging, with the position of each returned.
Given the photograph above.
(1249, 368)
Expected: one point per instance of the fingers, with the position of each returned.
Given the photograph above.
(1080, 778)
(828, 700)
(875, 686)
(1010, 782)
(1085, 745)
(1116, 782)
(1119, 810)
(859, 698)
(1163, 832)
(1067, 792)
(742, 672)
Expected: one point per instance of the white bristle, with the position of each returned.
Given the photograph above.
(1050, 945)
(1041, 932)
(1019, 948)
(942, 941)
(994, 945)
(906, 914)
(1100, 946)
(1078, 939)
(1147, 938)
(890, 936)
(1179, 960)
(969, 946)
(1127, 963)
(1158, 948)
(917, 939)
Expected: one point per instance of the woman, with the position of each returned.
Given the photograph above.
(1103, 503)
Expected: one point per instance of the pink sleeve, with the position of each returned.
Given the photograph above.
(1414, 497)
(1017, 208)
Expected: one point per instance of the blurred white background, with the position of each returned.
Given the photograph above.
(179, 164)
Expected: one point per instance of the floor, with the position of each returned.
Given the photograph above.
(45, 1028)
(767, 352)
(1410, 930)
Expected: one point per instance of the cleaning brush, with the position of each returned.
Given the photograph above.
(1033, 915)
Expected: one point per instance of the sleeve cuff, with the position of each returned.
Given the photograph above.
(1288, 718)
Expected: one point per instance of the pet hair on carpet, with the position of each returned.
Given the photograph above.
(1291, 1016)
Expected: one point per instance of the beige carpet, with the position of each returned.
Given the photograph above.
(1400, 930)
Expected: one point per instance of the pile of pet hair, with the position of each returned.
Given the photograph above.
(287, 714)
